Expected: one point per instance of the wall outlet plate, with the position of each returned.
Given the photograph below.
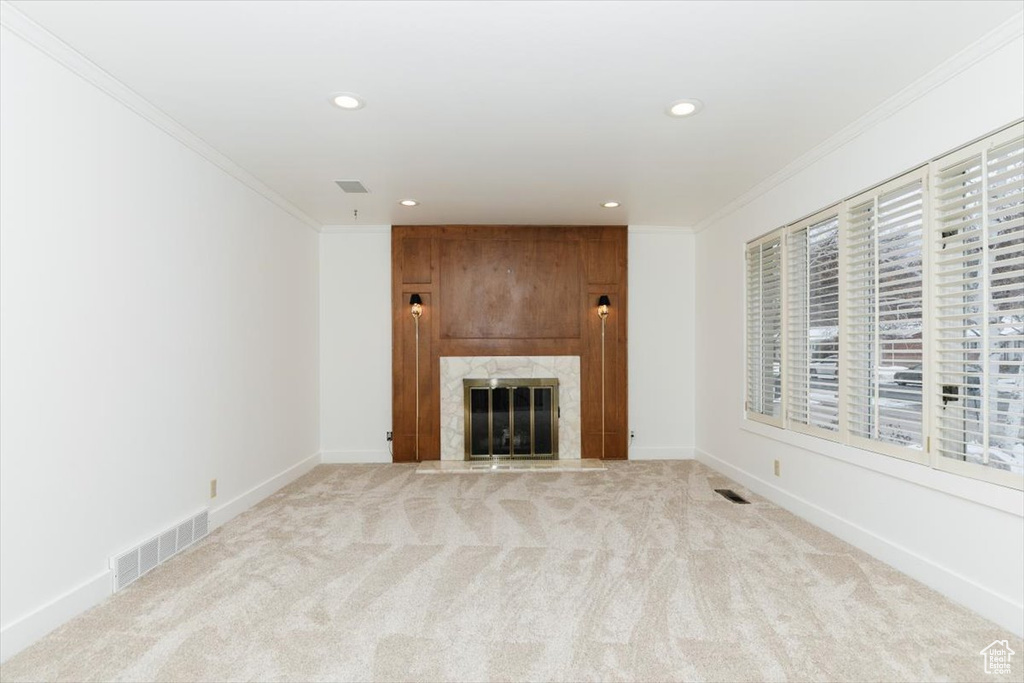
(778, 468)
(389, 436)
(213, 488)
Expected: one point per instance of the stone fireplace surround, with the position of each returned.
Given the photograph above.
(454, 369)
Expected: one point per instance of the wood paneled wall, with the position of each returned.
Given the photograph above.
(491, 290)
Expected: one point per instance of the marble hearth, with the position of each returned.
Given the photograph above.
(454, 369)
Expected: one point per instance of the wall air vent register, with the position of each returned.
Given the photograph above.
(132, 565)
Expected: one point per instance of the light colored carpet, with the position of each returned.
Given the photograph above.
(642, 572)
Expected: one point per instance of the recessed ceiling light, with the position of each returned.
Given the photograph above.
(409, 202)
(611, 205)
(347, 100)
(681, 108)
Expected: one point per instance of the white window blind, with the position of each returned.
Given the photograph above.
(883, 359)
(979, 303)
(764, 329)
(812, 323)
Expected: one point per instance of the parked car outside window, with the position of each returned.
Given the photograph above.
(825, 367)
(911, 377)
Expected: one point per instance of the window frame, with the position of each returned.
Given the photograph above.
(940, 462)
(919, 174)
(750, 414)
(834, 211)
(928, 453)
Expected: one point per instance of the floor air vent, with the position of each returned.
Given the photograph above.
(731, 495)
(132, 565)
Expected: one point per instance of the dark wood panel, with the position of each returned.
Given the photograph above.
(602, 262)
(614, 381)
(517, 232)
(509, 289)
(590, 261)
(416, 260)
(413, 256)
(509, 347)
(407, 375)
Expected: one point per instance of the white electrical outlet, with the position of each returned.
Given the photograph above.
(213, 488)
(778, 469)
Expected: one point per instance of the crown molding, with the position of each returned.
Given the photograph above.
(355, 229)
(1006, 32)
(28, 30)
(660, 229)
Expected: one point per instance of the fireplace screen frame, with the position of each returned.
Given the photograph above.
(510, 384)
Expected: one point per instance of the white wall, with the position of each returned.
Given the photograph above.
(159, 329)
(355, 343)
(661, 342)
(963, 537)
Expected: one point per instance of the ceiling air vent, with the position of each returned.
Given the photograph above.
(352, 187)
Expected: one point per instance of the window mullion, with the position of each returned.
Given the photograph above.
(843, 337)
(986, 286)
(877, 333)
(929, 330)
(761, 333)
(783, 329)
(806, 379)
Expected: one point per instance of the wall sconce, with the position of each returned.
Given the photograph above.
(602, 312)
(416, 309)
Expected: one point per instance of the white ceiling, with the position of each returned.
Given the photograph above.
(516, 112)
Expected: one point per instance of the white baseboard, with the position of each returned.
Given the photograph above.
(661, 453)
(354, 457)
(991, 605)
(239, 504)
(18, 635)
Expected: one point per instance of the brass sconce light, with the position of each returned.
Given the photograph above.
(416, 310)
(602, 312)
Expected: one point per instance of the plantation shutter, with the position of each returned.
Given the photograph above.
(764, 329)
(979, 266)
(884, 308)
(812, 352)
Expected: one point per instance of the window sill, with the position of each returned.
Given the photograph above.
(977, 491)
